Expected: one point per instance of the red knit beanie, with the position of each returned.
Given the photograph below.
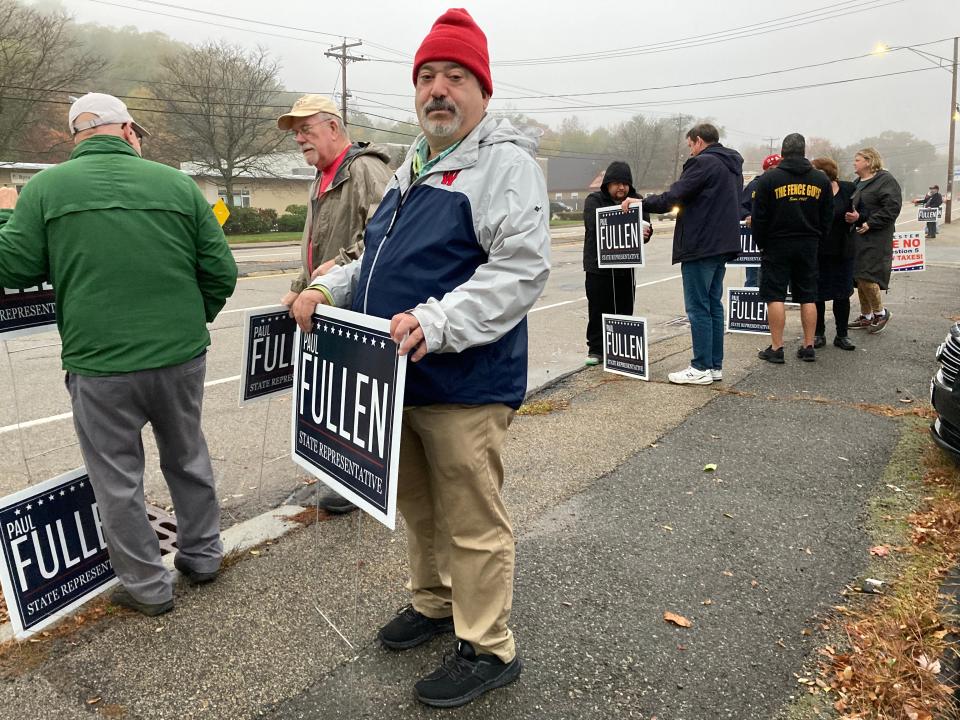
(455, 37)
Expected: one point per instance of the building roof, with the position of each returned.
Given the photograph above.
(566, 173)
(24, 166)
(282, 166)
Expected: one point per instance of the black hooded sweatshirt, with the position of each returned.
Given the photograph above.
(793, 202)
(708, 194)
(617, 171)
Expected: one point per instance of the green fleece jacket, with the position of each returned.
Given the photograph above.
(136, 257)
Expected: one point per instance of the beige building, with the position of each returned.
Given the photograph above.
(284, 181)
(18, 174)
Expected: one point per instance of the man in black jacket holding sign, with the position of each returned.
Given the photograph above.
(609, 290)
(792, 212)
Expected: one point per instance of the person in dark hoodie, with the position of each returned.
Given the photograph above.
(706, 237)
(792, 214)
(752, 279)
(609, 290)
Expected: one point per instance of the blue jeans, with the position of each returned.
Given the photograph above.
(753, 278)
(702, 295)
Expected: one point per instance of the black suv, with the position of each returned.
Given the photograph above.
(945, 394)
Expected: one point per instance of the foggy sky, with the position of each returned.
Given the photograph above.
(917, 102)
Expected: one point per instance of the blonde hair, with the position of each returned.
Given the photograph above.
(872, 156)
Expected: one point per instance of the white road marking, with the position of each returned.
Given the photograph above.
(234, 378)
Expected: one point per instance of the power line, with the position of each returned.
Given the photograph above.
(784, 23)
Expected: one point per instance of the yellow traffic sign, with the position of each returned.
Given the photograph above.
(221, 211)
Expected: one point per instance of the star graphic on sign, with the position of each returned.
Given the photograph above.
(364, 339)
(340, 332)
(324, 327)
(81, 484)
(51, 498)
(40, 501)
(62, 493)
(72, 488)
(356, 336)
(29, 508)
(382, 344)
(17, 511)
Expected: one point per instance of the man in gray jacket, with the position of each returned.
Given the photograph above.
(348, 187)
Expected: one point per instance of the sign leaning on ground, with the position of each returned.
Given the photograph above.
(930, 214)
(909, 251)
(746, 312)
(625, 344)
(26, 311)
(54, 556)
(267, 353)
(619, 237)
(347, 407)
(749, 252)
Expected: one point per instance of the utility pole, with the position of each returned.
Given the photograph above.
(676, 156)
(770, 142)
(339, 52)
(953, 132)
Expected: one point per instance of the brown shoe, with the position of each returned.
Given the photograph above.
(880, 322)
(861, 323)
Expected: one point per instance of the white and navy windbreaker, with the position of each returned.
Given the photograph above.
(466, 249)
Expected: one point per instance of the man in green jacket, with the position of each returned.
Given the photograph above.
(139, 265)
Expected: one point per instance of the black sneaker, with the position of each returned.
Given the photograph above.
(771, 355)
(819, 341)
(195, 577)
(807, 354)
(844, 343)
(465, 676)
(124, 599)
(411, 628)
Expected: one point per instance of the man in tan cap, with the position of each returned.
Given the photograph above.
(343, 196)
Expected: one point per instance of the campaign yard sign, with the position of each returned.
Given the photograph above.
(619, 237)
(27, 310)
(930, 214)
(749, 252)
(347, 408)
(54, 555)
(267, 355)
(909, 251)
(746, 312)
(625, 344)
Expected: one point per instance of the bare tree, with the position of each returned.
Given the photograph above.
(645, 144)
(40, 60)
(221, 109)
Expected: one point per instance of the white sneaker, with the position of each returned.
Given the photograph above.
(716, 375)
(691, 376)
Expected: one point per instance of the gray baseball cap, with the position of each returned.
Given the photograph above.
(108, 109)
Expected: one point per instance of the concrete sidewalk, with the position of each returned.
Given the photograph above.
(617, 523)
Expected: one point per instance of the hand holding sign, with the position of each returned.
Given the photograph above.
(406, 332)
(304, 306)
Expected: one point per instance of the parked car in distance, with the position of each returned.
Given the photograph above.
(945, 394)
(558, 207)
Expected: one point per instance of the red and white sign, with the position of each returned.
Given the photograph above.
(909, 252)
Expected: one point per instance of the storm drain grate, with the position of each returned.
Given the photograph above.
(165, 526)
(678, 322)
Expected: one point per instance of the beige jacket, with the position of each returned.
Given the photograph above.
(337, 219)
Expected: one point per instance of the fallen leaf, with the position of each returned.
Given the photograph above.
(667, 527)
(929, 665)
(678, 620)
(254, 552)
(880, 550)
(906, 400)
(728, 515)
(94, 700)
(941, 634)
(914, 714)
(847, 673)
(806, 631)
(727, 573)
(710, 467)
(567, 604)
(708, 601)
(841, 457)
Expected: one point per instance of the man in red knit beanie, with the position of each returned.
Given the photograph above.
(455, 271)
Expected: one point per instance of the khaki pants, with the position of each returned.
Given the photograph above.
(870, 300)
(458, 532)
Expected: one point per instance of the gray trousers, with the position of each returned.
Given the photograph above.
(109, 414)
